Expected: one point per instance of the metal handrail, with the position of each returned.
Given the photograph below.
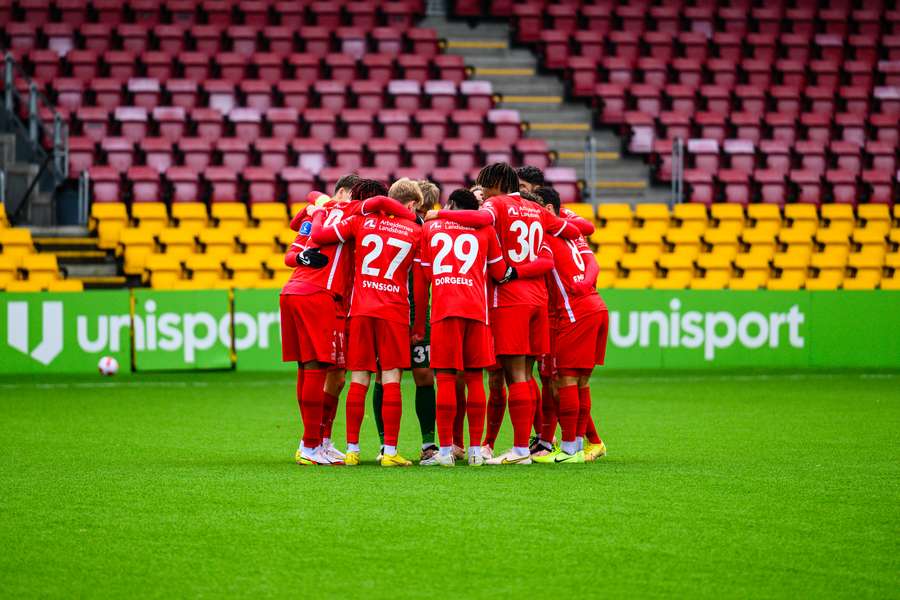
(590, 167)
(677, 172)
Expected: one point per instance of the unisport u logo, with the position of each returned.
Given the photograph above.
(51, 343)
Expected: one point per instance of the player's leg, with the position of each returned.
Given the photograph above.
(594, 447)
(534, 442)
(361, 362)
(476, 406)
(334, 382)
(569, 412)
(377, 400)
(459, 420)
(425, 398)
(549, 400)
(496, 408)
(392, 348)
(446, 412)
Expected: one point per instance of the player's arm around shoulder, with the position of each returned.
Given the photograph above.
(337, 233)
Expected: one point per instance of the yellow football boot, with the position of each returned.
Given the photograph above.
(351, 459)
(594, 451)
(394, 460)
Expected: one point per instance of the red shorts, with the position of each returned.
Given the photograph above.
(375, 344)
(308, 324)
(458, 343)
(582, 344)
(520, 330)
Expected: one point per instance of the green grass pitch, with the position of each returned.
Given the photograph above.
(716, 485)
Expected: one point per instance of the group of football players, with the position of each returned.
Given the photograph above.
(499, 279)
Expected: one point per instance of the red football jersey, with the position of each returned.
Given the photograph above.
(457, 259)
(337, 276)
(384, 248)
(520, 225)
(572, 292)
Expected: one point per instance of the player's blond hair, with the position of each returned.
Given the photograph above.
(431, 194)
(405, 190)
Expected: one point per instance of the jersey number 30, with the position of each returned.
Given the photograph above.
(528, 238)
(377, 245)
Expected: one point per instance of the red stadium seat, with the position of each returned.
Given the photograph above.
(384, 153)
(234, 153)
(842, 186)
(641, 132)
(846, 156)
(565, 181)
(246, 123)
(304, 67)
(196, 153)
(184, 184)
(460, 153)
(479, 95)
(170, 38)
(256, 94)
(423, 42)
(105, 184)
(777, 155)
(422, 153)
(43, 64)
(208, 123)
(293, 94)
(807, 186)
(704, 154)
(243, 40)
(378, 67)
(94, 122)
(157, 153)
(352, 41)
(107, 92)
(69, 93)
(450, 67)
(395, 124)
(852, 128)
(506, 124)
(770, 186)
(534, 152)
(133, 37)
(321, 124)
(144, 92)
(222, 184)
(448, 179)
(332, 95)
(881, 156)
(887, 128)
(145, 184)
(207, 39)
(119, 64)
(609, 99)
(414, 67)
(81, 154)
(361, 14)
(495, 150)
(879, 186)
(182, 92)
(387, 40)
(273, 153)
(310, 153)
(261, 184)
(280, 40)
(347, 154)
(811, 156)
(359, 124)
(699, 186)
(735, 186)
(406, 94)
(341, 67)
(442, 95)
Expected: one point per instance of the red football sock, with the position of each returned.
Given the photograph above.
(520, 412)
(568, 412)
(356, 408)
(446, 407)
(459, 421)
(548, 408)
(535, 405)
(584, 409)
(300, 390)
(591, 431)
(496, 407)
(476, 405)
(311, 406)
(329, 412)
(391, 411)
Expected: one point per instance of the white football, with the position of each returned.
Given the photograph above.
(108, 366)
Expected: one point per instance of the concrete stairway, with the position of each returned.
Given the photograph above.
(541, 101)
(79, 257)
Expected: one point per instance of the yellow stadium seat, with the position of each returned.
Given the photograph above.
(869, 235)
(229, 215)
(689, 250)
(873, 212)
(711, 279)
(161, 271)
(645, 236)
(891, 282)
(720, 258)
(8, 270)
(637, 261)
(838, 233)
(837, 212)
(246, 271)
(614, 212)
(727, 232)
(296, 207)
(723, 211)
(634, 279)
(794, 257)
(190, 216)
(608, 256)
(66, 285)
(894, 237)
(832, 256)
(205, 270)
(764, 212)
(672, 260)
(801, 212)
(23, 286)
(868, 257)
(789, 279)
(797, 235)
(752, 260)
(606, 278)
(16, 242)
(286, 237)
(761, 232)
(750, 279)
(606, 236)
(177, 242)
(217, 242)
(825, 279)
(107, 212)
(150, 215)
(646, 251)
(4, 222)
(257, 242)
(41, 268)
(652, 212)
(271, 283)
(135, 245)
(892, 260)
(269, 215)
(674, 279)
(863, 279)
(657, 227)
(582, 209)
(275, 263)
(684, 235)
(690, 212)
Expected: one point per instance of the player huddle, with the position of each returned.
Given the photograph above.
(382, 282)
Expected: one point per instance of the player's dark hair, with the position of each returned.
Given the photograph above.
(364, 189)
(346, 182)
(532, 175)
(531, 196)
(549, 196)
(462, 199)
(499, 176)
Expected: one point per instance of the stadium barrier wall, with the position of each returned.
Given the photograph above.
(151, 330)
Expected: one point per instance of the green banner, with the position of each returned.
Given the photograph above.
(182, 330)
(652, 329)
(855, 329)
(64, 333)
(257, 331)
